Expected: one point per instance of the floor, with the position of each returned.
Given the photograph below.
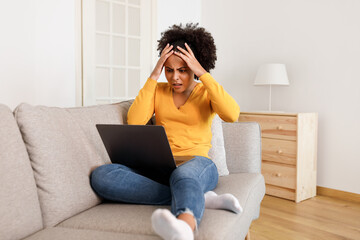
(316, 218)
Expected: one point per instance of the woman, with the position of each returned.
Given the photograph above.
(186, 109)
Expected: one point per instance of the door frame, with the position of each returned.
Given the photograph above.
(79, 34)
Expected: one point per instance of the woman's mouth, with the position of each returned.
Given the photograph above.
(177, 85)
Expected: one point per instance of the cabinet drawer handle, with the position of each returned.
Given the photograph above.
(279, 151)
(279, 127)
(278, 174)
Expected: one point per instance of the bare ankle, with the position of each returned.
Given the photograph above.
(189, 219)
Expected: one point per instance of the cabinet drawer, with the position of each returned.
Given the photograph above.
(280, 192)
(279, 175)
(278, 127)
(281, 151)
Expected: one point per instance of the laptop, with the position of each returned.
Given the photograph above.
(143, 148)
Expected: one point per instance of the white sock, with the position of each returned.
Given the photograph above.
(224, 201)
(167, 226)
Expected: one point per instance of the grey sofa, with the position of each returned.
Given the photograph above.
(48, 153)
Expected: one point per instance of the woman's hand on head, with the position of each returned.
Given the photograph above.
(189, 57)
(160, 64)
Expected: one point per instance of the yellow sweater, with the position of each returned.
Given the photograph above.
(188, 128)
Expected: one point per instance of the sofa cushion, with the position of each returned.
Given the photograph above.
(249, 188)
(217, 151)
(20, 213)
(242, 146)
(58, 233)
(64, 147)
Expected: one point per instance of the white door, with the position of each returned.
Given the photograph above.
(118, 42)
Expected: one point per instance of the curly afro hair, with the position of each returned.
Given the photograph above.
(199, 40)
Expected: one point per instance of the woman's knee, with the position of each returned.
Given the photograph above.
(100, 178)
(191, 170)
(179, 174)
(203, 172)
(100, 171)
(212, 178)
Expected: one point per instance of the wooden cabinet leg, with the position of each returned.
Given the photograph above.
(248, 235)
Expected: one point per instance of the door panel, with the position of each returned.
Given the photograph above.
(117, 48)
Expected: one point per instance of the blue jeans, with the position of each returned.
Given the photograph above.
(188, 183)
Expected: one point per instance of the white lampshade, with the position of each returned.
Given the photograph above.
(271, 74)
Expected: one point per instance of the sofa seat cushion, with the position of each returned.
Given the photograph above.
(64, 147)
(249, 188)
(20, 213)
(59, 233)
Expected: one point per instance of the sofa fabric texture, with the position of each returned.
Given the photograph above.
(59, 233)
(48, 153)
(216, 224)
(64, 147)
(19, 204)
(217, 151)
(243, 154)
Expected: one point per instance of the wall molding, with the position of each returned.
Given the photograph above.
(347, 196)
(79, 102)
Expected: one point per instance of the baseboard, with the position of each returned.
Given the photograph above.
(347, 196)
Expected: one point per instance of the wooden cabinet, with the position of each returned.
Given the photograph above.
(289, 152)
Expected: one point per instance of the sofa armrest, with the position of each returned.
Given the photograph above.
(243, 146)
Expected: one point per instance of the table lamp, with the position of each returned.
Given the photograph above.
(271, 74)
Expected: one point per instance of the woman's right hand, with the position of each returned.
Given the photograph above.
(160, 64)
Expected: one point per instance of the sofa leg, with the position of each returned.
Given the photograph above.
(248, 235)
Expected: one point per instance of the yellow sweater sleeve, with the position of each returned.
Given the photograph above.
(221, 102)
(142, 108)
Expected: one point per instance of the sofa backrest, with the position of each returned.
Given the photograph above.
(243, 146)
(20, 213)
(64, 147)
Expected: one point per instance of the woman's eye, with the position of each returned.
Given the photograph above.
(169, 70)
(182, 71)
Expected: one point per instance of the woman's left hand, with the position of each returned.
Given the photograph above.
(189, 57)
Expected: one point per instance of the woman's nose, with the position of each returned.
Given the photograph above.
(175, 75)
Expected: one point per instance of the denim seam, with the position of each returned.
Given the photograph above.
(172, 194)
(210, 165)
(183, 179)
(117, 169)
(198, 177)
(174, 199)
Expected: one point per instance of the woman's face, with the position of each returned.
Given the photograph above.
(178, 74)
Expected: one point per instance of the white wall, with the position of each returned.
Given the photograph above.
(37, 46)
(37, 56)
(319, 41)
